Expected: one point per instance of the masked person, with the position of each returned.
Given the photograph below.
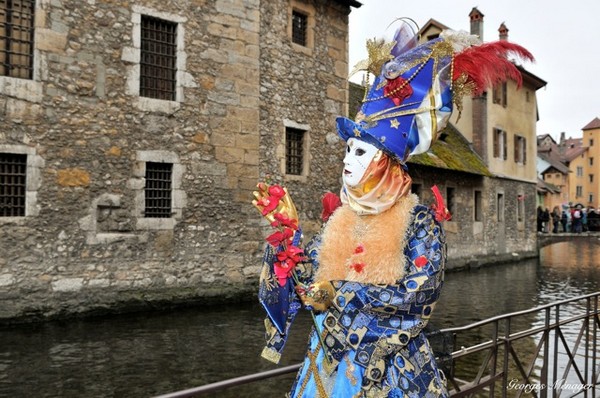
(373, 275)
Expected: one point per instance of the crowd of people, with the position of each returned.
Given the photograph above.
(568, 218)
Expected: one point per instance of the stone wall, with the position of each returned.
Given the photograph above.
(85, 244)
(494, 239)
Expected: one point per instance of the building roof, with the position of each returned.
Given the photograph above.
(349, 3)
(594, 124)
(452, 151)
(553, 162)
(573, 147)
(543, 186)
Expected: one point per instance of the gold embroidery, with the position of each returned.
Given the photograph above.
(314, 371)
(350, 370)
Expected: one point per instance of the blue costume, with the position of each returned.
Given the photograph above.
(373, 333)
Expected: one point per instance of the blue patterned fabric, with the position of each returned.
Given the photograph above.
(373, 334)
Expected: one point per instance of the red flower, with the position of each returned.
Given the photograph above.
(330, 202)
(282, 220)
(359, 249)
(293, 253)
(276, 191)
(397, 90)
(358, 267)
(288, 259)
(420, 261)
(278, 238)
(268, 204)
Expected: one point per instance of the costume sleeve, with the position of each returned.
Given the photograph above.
(377, 320)
(281, 304)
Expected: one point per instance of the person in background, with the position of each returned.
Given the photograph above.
(555, 219)
(540, 219)
(564, 220)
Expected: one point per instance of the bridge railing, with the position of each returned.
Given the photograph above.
(547, 351)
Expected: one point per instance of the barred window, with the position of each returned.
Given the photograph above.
(158, 190)
(299, 27)
(158, 58)
(16, 38)
(294, 151)
(13, 177)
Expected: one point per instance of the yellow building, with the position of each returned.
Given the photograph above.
(590, 164)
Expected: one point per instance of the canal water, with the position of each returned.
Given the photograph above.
(145, 355)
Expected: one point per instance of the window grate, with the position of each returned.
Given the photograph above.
(13, 178)
(158, 61)
(294, 142)
(16, 38)
(299, 26)
(158, 190)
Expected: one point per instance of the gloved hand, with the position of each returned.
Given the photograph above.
(317, 296)
(273, 199)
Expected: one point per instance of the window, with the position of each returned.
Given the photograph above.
(155, 58)
(294, 151)
(500, 207)
(500, 144)
(450, 199)
(591, 161)
(158, 58)
(478, 206)
(591, 178)
(499, 94)
(591, 198)
(16, 38)
(13, 183)
(299, 28)
(157, 183)
(20, 180)
(158, 190)
(520, 149)
(578, 191)
(591, 142)
(579, 171)
(520, 207)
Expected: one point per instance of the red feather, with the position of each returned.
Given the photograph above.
(488, 64)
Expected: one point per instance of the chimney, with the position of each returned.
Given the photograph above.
(503, 32)
(476, 18)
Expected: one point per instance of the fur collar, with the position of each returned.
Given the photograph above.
(368, 248)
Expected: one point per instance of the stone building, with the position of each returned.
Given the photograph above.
(134, 132)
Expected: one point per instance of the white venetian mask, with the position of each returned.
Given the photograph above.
(359, 155)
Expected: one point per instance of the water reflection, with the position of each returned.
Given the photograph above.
(149, 354)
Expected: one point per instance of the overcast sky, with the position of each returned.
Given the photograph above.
(564, 37)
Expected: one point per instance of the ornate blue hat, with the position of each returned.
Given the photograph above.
(410, 100)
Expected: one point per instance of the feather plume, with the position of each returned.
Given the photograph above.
(489, 64)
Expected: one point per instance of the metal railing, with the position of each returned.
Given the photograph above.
(551, 350)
